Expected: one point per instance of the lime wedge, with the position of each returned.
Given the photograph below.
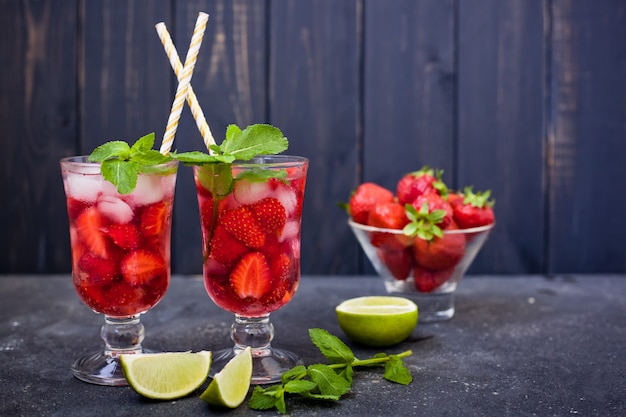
(377, 320)
(230, 386)
(166, 376)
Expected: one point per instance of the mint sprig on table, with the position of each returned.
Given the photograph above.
(121, 163)
(327, 381)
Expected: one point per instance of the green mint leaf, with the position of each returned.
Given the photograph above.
(346, 373)
(328, 382)
(217, 178)
(297, 372)
(331, 346)
(267, 398)
(144, 143)
(200, 158)
(261, 175)
(395, 371)
(110, 150)
(148, 157)
(300, 386)
(123, 174)
(258, 139)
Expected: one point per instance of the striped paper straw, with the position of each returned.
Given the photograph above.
(192, 100)
(183, 84)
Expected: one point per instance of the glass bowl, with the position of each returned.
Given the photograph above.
(427, 274)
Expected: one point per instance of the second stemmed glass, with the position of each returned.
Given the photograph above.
(250, 216)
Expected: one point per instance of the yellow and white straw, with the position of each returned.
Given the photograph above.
(192, 100)
(183, 84)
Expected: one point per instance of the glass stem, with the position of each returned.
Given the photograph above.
(256, 332)
(122, 335)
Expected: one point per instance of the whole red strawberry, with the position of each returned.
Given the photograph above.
(435, 202)
(389, 215)
(398, 262)
(440, 253)
(365, 198)
(414, 184)
(427, 280)
(473, 209)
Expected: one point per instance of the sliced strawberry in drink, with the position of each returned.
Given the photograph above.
(251, 277)
(126, 236)
(241, 224)
(75, 207)
(270, 215)
(90, 228)
(154, 219)
(224, 248)
(206, 212)
(141, 266)
(98, 270)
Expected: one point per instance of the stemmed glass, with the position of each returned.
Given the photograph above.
(120, 256)
(250, 216)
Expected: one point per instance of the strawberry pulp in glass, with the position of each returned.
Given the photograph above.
(120, 243)
(251, 232)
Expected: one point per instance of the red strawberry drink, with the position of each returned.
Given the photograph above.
(251, 236)
(250, 217)
(120, 243)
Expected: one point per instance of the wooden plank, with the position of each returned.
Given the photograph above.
(587, 137)
(229, 80)
(500, 126)
(38, 114)
(124, 75)
(314, 99)
(409, 89)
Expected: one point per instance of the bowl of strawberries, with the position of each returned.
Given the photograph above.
(421, 239)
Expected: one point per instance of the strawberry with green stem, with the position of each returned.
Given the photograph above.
(473, 209)
(424, 181)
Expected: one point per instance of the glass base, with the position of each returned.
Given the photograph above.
(268, 365)
(433, 307)
(101, 369)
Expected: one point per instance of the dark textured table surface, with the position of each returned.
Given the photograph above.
(518, 346)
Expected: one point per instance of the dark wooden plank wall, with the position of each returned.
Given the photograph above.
(527, 98)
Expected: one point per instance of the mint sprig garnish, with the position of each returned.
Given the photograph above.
(121, 163)
(327, 381)
(243, 145)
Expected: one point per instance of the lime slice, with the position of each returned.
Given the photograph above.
(377, 320)
(230, 386)
(166, 376)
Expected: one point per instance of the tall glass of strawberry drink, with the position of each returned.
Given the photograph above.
(250, 216)
(120, 256)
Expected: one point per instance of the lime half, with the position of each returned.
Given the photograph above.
(230, 386)
(377, 320)
(166, 376)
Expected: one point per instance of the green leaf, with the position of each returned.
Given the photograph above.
(395, 371)
(123, 174)
(200, 158)
(258, 139)
(297, 372)
(113, 149)
(148, 157)
(258, 174)
(267, 398)
(328, 382)
(300, 386)
(331, 346)
(144, 143)
(217, 178)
